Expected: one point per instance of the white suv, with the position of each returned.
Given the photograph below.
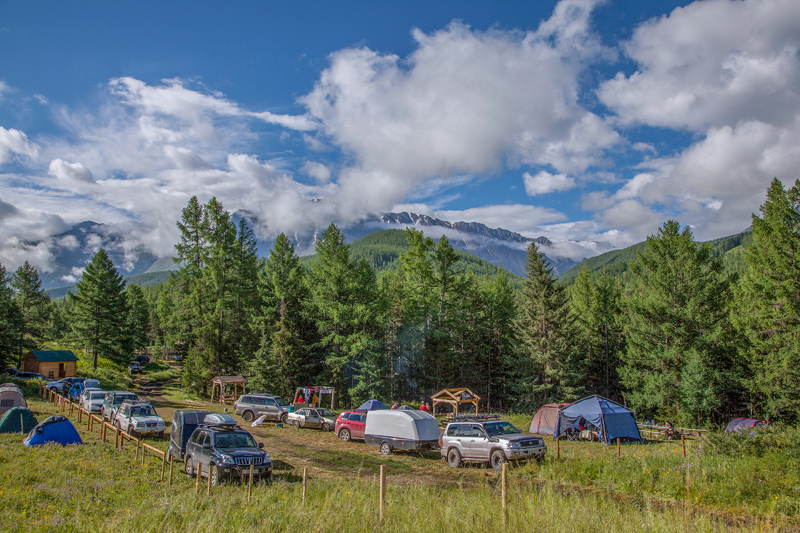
(138, 418)
(489, 440)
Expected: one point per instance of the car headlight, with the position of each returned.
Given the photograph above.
(513, 444)
(266, 458)
(226, 459)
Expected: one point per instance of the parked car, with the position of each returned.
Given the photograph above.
(112, 402)
(31, 376)
(63, 385)
(312, 418)
(135, 368)
(142, 359)
(225, 450)
(255, 404)
(184, 422)
(392, 429)
(77, 389)
(92, 400)
(350, 425)
(138, 417)
(490, 441)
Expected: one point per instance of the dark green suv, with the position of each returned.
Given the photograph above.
(225, 451)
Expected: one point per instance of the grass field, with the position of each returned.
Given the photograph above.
(97, 488)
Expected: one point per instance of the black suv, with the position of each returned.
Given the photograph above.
(225, 450)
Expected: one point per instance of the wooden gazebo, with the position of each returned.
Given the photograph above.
(221, 382)
(455, 398)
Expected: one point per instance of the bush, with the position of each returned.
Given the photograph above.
(756, 442)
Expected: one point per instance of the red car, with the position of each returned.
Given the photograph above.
(350, 425)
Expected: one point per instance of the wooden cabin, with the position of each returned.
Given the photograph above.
(53, 364)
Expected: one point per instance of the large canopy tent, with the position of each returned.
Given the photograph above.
(611, 420)
(17, 420)
(455, 398)
(224, 383)
(544, 421)
(311, 396)
(740, 424)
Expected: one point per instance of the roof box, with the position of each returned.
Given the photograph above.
(217, 419)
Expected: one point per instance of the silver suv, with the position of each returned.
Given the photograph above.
(272, 407)
(488, 440)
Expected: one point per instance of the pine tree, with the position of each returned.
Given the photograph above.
(768, 305)
(549, 371)
(100, 311)
(678, 361)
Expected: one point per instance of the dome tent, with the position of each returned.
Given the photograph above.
(612, 420)
(544, 421)
(17, 420)
(372, 405)
(56, 429)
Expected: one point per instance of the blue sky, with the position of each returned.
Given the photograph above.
(588, 122)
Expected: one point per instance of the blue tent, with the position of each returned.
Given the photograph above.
(609, 419)
(372, 405)
(56, 429)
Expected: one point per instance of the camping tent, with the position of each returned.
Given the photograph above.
(17, 420)
(544, 421)
(11, 396)
(611, 420)
(372, 405)
(56, 429)
(740, 424)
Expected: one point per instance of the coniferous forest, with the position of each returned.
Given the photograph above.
(677, 334)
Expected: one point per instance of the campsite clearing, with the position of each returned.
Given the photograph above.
(649, 486)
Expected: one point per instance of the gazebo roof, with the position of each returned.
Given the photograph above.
(229, 379)
(455, 395)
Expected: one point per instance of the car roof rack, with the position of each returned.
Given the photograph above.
(265, 392)
(136, 402)
(473, 418)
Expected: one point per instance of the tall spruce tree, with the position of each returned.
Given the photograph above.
(595, 309)
(138, 317)
(9, 323)
(549, 370)
(100, 311)
(678, 363)
(34, 308)
(500, 347)
(768, 306)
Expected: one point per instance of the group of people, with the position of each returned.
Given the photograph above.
(422, 407)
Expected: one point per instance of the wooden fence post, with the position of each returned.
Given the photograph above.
(171, 461)
(683, 444)
(163, 465)
(208, 489)
(70, 409)
(197, 481)
(382, 489)
(305, 484)
(250, 485)
(79, 416)
(619, 449)
(504, 492)
(558, 448)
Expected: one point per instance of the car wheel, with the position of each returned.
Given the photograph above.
(216, 478)
(386, 448)
(497, 459)
(283, 418)
(326, 427)
(344, 435)
(296, 424)
(188, 467)
(453, 458)
(248, 416)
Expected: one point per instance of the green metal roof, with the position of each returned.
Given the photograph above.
(51, 356)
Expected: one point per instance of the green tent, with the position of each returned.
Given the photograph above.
(17, 420)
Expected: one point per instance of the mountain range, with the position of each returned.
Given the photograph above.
(73, 249)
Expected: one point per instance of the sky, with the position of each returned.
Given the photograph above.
(588, 122)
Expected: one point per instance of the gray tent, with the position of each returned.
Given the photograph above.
(610, 419)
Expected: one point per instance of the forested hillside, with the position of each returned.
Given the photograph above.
(691, 332)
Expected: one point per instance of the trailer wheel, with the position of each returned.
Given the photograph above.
(386, 448)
